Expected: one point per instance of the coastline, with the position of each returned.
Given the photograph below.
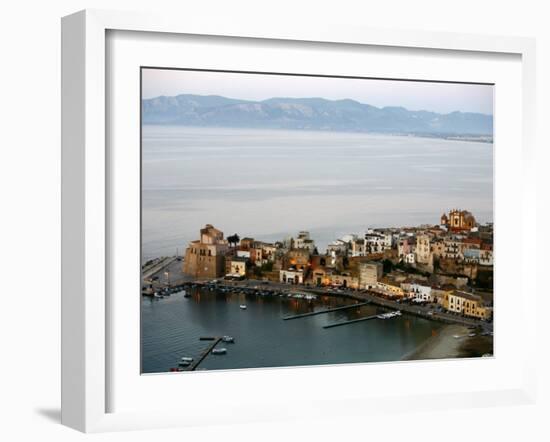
(441, 346)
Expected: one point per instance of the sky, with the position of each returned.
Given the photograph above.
(413, 95)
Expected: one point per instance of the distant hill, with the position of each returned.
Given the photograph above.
(310, 114)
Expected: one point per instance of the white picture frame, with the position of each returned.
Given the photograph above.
(86, 353)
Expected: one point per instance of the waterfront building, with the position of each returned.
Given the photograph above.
(292, 276)
(369, 274)
(468, 304)
(458, 220)
(418, 291)
(390, 288)
(205, 257)
(441, 294)
(237, 266)
(344, 280)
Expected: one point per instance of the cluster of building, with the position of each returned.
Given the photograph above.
(432, 263)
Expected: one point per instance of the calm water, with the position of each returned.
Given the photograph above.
(171, 328)
(272, 183)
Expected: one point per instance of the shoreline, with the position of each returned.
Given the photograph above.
(441, 346)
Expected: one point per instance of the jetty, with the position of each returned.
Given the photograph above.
(214, 341)
(352, 321)
(319, 312)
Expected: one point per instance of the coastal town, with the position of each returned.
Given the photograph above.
(449, 264)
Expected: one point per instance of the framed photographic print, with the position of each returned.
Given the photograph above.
(296, 177)
(250, 215)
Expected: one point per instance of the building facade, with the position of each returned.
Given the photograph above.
(458, 220)
(205, 257)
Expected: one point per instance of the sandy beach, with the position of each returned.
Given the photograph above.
(441, 346)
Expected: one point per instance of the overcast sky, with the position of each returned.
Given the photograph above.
(437, 97)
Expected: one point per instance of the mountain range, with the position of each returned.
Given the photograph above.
(310, 114)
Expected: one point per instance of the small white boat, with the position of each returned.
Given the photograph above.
(242, 306)
(186, 359)
(228, 339)
(184, 364)
(156, 295)
(457, 336)
(471, 335)
(219, 351)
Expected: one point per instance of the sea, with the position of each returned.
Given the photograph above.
(270, 184)
(171, 328)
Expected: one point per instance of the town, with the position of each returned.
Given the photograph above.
(449, 264)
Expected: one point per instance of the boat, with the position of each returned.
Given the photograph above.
(156, 295)
(186, 359)
(242, 306)
(228, 339)
(457, 336)
(471, 335)
(219, 351)
(184, 363)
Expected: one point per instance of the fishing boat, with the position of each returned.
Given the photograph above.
(228, 339)
(242, 306)
(219, 351)
(186, 359)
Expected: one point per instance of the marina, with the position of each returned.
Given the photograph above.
(193, 326)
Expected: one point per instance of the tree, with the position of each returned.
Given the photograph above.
(233, 240)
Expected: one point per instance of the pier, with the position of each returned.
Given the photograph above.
(319, 312)
(338, 324)
(215, 340)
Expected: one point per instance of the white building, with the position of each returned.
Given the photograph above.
(374, 242)
(418, 291)
(291, 276)
(303, 241)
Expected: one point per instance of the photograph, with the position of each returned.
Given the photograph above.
(294, 220)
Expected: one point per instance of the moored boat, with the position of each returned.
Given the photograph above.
(219, 351)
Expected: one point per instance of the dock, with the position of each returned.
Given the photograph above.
(338, 324)
(205, 353)
(319, 312)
